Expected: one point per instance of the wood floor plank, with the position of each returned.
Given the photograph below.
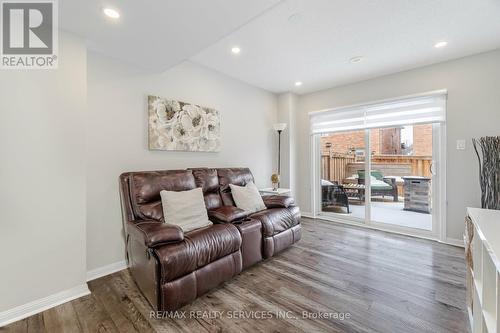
(36, 323)
(92, 316)
(20, 326)
(123, 314)
(62, 318)
(385, 282)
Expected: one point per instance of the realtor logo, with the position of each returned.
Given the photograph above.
(29, 34)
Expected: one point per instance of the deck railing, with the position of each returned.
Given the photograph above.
(336, 166)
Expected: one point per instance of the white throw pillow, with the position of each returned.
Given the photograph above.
(185, 209)
(247, 197)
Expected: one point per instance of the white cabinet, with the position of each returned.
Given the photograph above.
(483, 267)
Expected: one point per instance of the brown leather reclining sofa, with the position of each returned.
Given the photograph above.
(173, 268)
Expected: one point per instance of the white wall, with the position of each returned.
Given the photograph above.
(42, 172)
(287, 103)
(473, 111)
(117, 139)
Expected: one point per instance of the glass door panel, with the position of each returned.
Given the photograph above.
(401, 176)
(343, 157)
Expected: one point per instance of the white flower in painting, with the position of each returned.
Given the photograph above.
(208, 145)
(178, 126)
(166, 110)
(162, 141)
(179, 133)
(193, 120)
(212, 126)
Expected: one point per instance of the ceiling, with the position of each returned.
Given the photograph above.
(315, 47)
(282, 42)
(156, 34)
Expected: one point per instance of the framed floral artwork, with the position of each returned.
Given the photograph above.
(175, 125)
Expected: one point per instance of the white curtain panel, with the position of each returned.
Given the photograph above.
(411, 110)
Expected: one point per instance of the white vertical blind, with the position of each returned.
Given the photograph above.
(417, 109)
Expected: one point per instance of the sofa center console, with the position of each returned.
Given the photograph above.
(251, 241)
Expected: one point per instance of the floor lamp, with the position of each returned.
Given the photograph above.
(275, 178)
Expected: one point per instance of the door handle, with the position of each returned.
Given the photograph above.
(431, 168)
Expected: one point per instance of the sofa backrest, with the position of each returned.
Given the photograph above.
(141, 191)
(208, 180)
(235, 176)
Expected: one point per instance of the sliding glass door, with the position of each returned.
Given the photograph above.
(342, 156)
(401, 176)
(388, 176)
(397, 192)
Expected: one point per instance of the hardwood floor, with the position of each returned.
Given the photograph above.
(384, 282)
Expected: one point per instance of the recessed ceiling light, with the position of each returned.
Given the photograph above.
(236, 50)
(298, 84)
(355, 60)
(110, 12)
(439, 45)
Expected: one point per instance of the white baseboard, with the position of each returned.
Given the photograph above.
(42, 304)
(29, 309)
(307, 214)
(454, 242)
(106, 270)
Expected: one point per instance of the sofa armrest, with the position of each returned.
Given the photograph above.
(154, 233)
(226, 214)
(278, 201)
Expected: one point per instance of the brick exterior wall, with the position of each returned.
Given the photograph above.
(384, 141)
(342, 143)
(422, 140)
(390, 141)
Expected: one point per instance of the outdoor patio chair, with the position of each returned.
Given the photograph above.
(333, 194)
(380, 185)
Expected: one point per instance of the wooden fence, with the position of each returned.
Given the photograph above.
(420, 165)
(337, 167)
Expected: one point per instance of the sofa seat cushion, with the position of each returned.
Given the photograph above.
(276, 220)
(226, 214)
(199, 248)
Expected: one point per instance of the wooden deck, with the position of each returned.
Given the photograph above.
(385, 282)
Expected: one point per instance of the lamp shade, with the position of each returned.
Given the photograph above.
(279, 126)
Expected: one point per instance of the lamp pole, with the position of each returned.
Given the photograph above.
(279, 154)
(279, 128)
